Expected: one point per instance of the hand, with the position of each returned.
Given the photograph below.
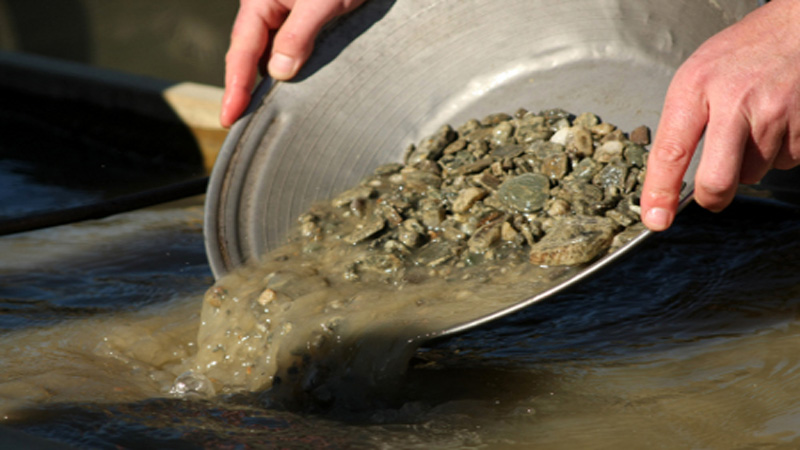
(743, 87)
(294, 25)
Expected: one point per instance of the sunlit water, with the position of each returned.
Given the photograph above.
(691, 342)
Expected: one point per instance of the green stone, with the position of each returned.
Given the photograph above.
(525, 193)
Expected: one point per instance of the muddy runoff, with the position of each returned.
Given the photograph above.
(476, 218)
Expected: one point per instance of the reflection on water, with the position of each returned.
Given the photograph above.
(690, 342)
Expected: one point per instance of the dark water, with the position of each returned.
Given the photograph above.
(690, 342)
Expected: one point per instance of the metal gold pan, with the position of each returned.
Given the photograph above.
(392, 72)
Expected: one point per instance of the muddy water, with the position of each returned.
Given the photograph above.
(692, 342)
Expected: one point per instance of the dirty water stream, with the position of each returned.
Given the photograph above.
(690, 342)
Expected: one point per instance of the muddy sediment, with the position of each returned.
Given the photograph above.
(476, 218)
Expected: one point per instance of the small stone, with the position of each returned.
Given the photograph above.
(555, 166)
(388, 212)
(409, 238)
(621, 218)
(365, 230)
(616, 135)
(585, 169)
(455, 146)
(474, 167)
(586, 120)
(574, 240)
(579, 142)
(502, 132)
(431, 213)
(640, 135)
(507, 151)
(561, 123)
(433, 146)
(608, 151)
(310, 230)
(468, 126)
(528, 133)
(508, 233)
(215, 296)
(348, 196)
(558, 207)
(613, 174)
(602, 129)
(484, 237)
(387, 169)
(478, 148)
(487, 180)
(632, 180)
(466, 198)
(525, 193)
(560, 137)
(495, 119)
(437, 253)
(635, 155)
(267, 297)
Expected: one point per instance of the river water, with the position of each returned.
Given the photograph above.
(690, 342)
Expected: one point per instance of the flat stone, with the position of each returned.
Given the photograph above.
(573, 240)
(525, 193)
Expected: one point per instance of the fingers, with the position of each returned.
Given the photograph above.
(294, 41)
(723, 153)
(789, 156)
(760, 153)
(294, 35)
(682, 121)
(248, 43)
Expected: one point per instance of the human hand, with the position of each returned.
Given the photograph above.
(743, 87)
(290, 25)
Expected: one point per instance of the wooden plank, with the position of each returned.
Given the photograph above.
(198, 106)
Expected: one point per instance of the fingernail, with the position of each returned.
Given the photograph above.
(281, 66)
(658, 219)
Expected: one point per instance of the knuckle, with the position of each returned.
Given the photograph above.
(712, 202)
(655, 192)
(716, 187)
(715, 193)
(291, 43)
(693, 74)
(768, 123)
(670, 152)
(660, 197)
(287, 38)
(773, 110)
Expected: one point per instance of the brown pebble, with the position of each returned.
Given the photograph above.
(466, 198)
(266, 297)
(507, 232)
(640, 135)
(215, 295)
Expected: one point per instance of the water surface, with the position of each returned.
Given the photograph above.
(691, 342)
